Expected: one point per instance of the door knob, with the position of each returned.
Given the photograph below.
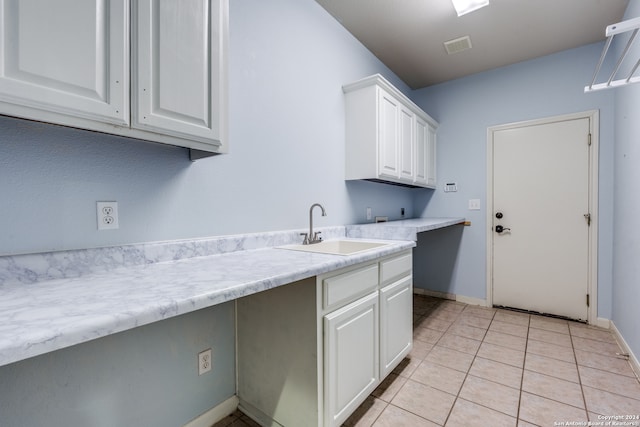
(500, 229)
(499, 215)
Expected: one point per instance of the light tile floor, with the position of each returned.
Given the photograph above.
(475, 366)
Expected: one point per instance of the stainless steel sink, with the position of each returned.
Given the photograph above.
(336, 247)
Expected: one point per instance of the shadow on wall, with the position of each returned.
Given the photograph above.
(383, 199)
(68, 170)
(435, 259)
(421, 199)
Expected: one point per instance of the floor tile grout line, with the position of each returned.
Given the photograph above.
(575, 356)
(466, 375)
(602, 370)
(409, 379)
(456, 320)
(382, 411)
(461, 385)
(524, 363)
(423, 359)
(608, 371)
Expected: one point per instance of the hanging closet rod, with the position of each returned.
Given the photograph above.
(613, 30)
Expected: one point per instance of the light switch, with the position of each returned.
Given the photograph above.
(474, 204)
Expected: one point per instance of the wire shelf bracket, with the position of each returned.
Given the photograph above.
(631, 25)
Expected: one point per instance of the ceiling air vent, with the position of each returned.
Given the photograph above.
(458, 45)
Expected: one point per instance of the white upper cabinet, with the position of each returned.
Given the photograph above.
(72, 62)
(65, 59)
(431, 157)
(425, 159)
(407, 144)
(177, 53)
(388, 137)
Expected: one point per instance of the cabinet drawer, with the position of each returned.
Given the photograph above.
(395, 268)
(342, 288)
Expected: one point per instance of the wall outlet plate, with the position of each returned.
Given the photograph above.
(204, 361)
(107, 215)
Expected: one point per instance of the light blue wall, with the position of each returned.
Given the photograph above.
(626, 247)
(288, 62)
(465, 108)
(142, 377)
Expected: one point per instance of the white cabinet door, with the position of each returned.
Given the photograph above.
(396, 318)
(388, 135)
(67, 58)
(407, 144)
(421, 150)
(177, 81)
(431, 158)
(351, 363)
(425, 161)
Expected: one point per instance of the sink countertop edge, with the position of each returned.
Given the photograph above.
(41, 317)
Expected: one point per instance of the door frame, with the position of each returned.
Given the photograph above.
(592, 274)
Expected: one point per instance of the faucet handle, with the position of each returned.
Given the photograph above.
(306, 238)
(316, 236)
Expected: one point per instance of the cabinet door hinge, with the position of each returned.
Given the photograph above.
(589, 140)
(587, 300)
(587, 216)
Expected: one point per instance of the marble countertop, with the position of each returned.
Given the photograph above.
(40, 314)
(406, 229)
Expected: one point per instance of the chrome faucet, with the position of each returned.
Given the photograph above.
(312, 237)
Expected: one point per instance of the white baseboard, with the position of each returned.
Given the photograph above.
(601, 322)
(635, 365)
(471, 300)
(215, 414)
(435, 294)
(257, 415)
(452, 297)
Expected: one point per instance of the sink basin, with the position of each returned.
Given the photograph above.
(336, 247)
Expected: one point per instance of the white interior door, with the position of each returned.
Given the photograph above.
(540, 198)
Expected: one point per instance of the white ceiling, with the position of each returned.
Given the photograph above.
(408, 35)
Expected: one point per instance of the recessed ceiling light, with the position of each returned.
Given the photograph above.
(466, 6)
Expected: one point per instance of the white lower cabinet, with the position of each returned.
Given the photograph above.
(396, 319)
(350, 357)
(310, 352)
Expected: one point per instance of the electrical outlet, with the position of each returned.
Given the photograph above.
(369, 214)
(204, 361)
(107, 215)
(474, 204)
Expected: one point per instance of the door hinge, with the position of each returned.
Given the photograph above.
(587, 300)
(587, 216)
(589, 140)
